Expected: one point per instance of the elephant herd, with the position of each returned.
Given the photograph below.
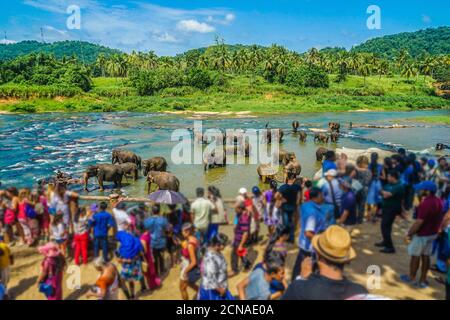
(321, 137)
(126, 163)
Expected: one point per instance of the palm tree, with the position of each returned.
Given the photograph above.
(101, 63)
(364, 70)
(409, 70)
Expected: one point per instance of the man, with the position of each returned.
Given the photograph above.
(291, 193)
(348, 216)
(157, 226)
(121, 216)
(313, 222)
(6, 261)
(201, 214)
(392, 195)
(439, 175)
(329, 162)
(241, 235)
(101, 222)
(423, 232)
(139, 213)
(332, 193)
(333, 249)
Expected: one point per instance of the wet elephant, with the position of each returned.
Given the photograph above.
(214, 160)
(164, 181)
(320, 153)
(130, 168)
(293, 167)
(321, 137)
(278, 135)
(295, 126)
(239, 149)
(285, 156)
(302, 136)
(334, 137)
(104, 172)
(124, 156)
(200, 138)
(154, 164)
(334, 127)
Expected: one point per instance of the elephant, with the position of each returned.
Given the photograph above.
(200, 138)
(164, 181)
(213, 160)
(293, 167)
(278, 134)
(303, 136)
(320, 153)
(334, 137)
(154, 164)
(284, 157)
(238, 150)
(334, 127)
(321, 137)
(441, 146)
(104, 172)
(130, 168)
(266, 172)
(124, 156)
(295, 126)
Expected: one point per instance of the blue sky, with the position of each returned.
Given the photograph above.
(170, 27)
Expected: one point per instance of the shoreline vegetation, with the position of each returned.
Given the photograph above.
(229, 79)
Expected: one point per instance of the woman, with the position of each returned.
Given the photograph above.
(364, 176)
(129, 255)
(108, 283)
(258, 211)
(373, 195)
(59, 233)
(62, 202)
(190, 272)
(387, 167)
(214, 276)
(43, 216)
(52, 269)
(218, 216)
(11, 206)
(271, 218)
(153, 281)
(22, 216)
(81, 236)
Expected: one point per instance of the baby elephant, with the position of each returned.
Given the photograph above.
(334, 136)
(321, 137)
(104, 172)
(130, 168)
(303, 136)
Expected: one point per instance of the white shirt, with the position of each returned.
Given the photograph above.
(122, 219)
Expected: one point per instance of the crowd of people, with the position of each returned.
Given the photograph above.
(130, 244)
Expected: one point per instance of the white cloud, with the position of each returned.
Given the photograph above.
(426, 19)
(6, 41)
(53, 29)
(192, 25)
(166, 37)
(230, 17)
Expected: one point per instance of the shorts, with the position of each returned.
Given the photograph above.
(132, 271)
(421, 246)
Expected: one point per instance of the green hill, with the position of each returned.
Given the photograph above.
(84, 51)
(431, 41)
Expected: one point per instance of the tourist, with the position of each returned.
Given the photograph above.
(6, 261)
(277, 242)
(291, 193)
(60, 202)
(313, 222)
(307, 185)
(139, 213)
(348, 215)
(332, 193)
(214, 284)
(218, 216)
(190, 270)
(108, 283)
(101, 222)
(388, 166)
(258, 209)
(174, 216)
(241, 197)
(257, 286)
(411, 177)
(423, 232)
(429, 168)
(11, 204)
(52, 269)
(43, 216)
(271, 216)
(59, 233)
(364, 177)
(391, 205)
(373, 194)
(201, 210)
(81, 236)
(440, 176)
(129, 255)
(157, 225)
(23, 207)
(173, 245)
(330, 161)
(241, 236)
(148, 266)
(333, 250)
(121, 217)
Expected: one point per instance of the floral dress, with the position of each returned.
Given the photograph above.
(214, 276)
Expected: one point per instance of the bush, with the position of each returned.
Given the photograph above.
(78, 77)
(199, 78)
(442, 74)
(307, 76)
(23, 108)
(149, 82)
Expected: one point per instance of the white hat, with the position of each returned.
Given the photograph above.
(331, 172)
(242, 191)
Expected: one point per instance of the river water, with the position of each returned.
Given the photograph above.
(35, 146)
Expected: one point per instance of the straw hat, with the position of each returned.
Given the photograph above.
(335, 244)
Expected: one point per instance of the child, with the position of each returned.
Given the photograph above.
(241, 236)
(258, 210)
(81, 236)
(6, 261)
(59, 233)
(308, 186)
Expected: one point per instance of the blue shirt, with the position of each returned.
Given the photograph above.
(314, 219)
(328, 195)
(349, 204)
(157, 227)
(101, 222)
(328, 165)
(258, 288)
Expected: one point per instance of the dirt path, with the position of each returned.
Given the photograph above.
(25, 272)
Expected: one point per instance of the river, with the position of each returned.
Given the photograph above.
(35, 146)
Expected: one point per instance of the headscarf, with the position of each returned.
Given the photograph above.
(49, 250)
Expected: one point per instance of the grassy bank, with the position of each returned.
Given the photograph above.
(434, 119)
(241, 93)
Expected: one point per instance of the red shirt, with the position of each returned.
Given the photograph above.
(430, 211)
